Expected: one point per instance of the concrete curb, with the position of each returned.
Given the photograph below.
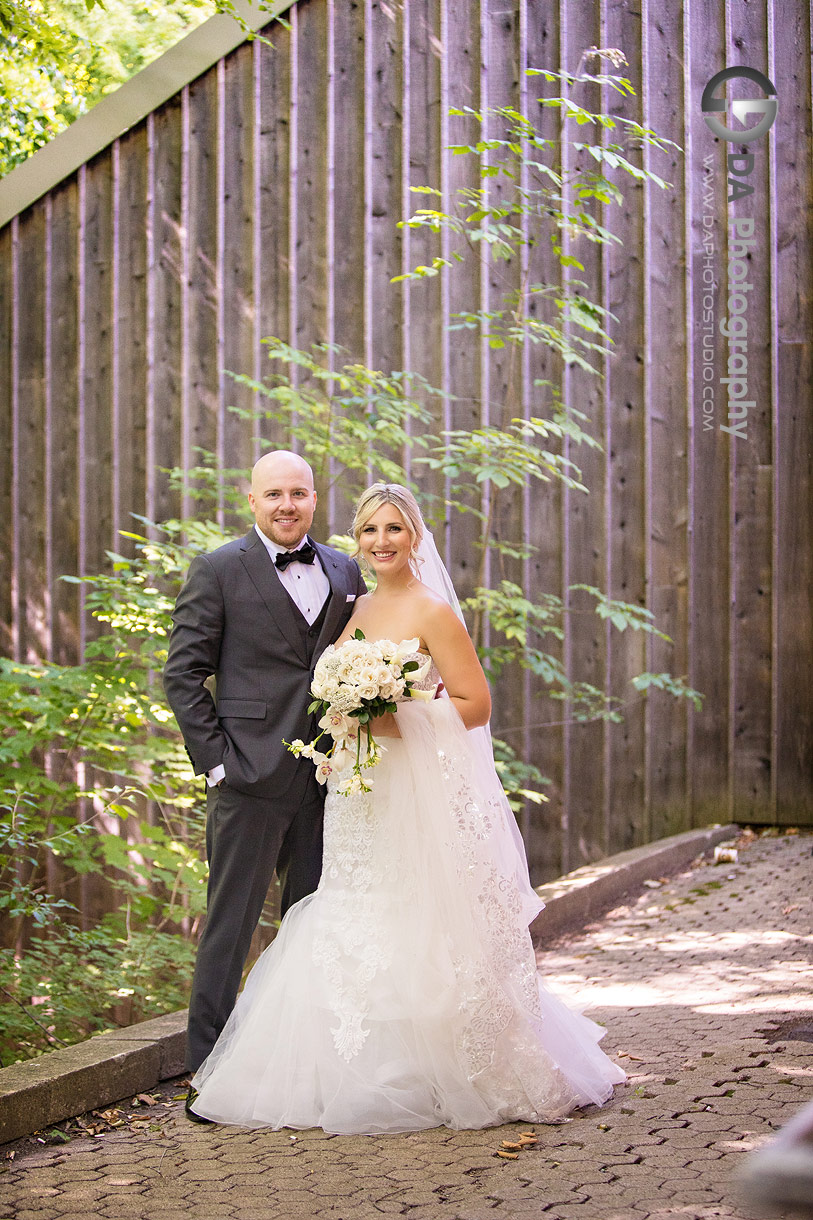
(39, 1092)
(582, 896)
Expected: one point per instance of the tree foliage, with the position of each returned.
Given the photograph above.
(59, 57)
(94, 778)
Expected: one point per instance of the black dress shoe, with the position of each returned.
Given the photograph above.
(191, 1098)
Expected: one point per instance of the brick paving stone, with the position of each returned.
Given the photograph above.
(523, 1207)
(690, 980)
(28, 1214)
(571, 1212)
(72, 1215)
(475, 1213)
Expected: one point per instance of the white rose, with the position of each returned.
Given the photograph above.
(332, 688)
(326, 662)
(386, 648)
(391, 687)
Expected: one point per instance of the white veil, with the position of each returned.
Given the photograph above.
(507, 842)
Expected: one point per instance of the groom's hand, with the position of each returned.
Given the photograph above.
(215, 777)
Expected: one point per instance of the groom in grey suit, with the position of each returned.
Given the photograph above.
(255, 614)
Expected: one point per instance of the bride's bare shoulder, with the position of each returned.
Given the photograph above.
(435, 612)
(429, 602)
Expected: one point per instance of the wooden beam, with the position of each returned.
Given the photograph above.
(129, 104)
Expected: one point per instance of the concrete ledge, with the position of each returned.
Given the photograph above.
(582, 896)
(38, 1092)
(104, 1069)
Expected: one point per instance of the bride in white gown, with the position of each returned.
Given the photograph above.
(403, 994)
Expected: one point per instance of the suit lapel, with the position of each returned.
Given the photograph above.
(338, 597)
(264, 577)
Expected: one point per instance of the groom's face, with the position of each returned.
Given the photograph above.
(283, 501)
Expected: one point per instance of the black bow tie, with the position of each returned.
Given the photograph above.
(305, 554)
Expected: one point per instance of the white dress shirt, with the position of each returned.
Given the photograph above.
(309, 587)
(307, 583)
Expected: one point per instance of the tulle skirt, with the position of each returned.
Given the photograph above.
(403, 994)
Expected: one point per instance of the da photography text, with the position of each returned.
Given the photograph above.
(733, 325)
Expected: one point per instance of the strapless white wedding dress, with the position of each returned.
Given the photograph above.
(403, 994)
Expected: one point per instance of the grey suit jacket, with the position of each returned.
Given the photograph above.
(234, 620)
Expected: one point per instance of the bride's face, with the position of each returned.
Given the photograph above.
(385, 542)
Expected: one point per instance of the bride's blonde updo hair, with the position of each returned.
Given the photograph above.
(399, 497)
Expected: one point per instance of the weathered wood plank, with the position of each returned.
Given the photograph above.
(165, 321)
(202, 287)
(710, 571)
(309, 202)
(793, 424)
(584, 520)
(752, 519)
(131, 336)
(28, 510)
(7, 455)
(61, 474)
(542, 738)
(463, 376)
(347, 222)
(63, 374)
(667, 432)
(384, 189)
(96, 441)
(627, 404)
(239, 339)
(423, 157)
(274, 198)
(96, 434)
(504, 366)
(310, 193)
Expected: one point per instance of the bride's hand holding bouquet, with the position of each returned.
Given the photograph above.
(353, 685)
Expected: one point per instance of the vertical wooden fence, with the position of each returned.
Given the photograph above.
(263, 199)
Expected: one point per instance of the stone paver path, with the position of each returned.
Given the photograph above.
(704, 985)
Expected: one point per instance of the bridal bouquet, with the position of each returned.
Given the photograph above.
(352, 684)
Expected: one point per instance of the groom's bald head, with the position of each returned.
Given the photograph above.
(282, 496)
(278, 462)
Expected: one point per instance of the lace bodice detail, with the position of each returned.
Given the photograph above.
(358, 870)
